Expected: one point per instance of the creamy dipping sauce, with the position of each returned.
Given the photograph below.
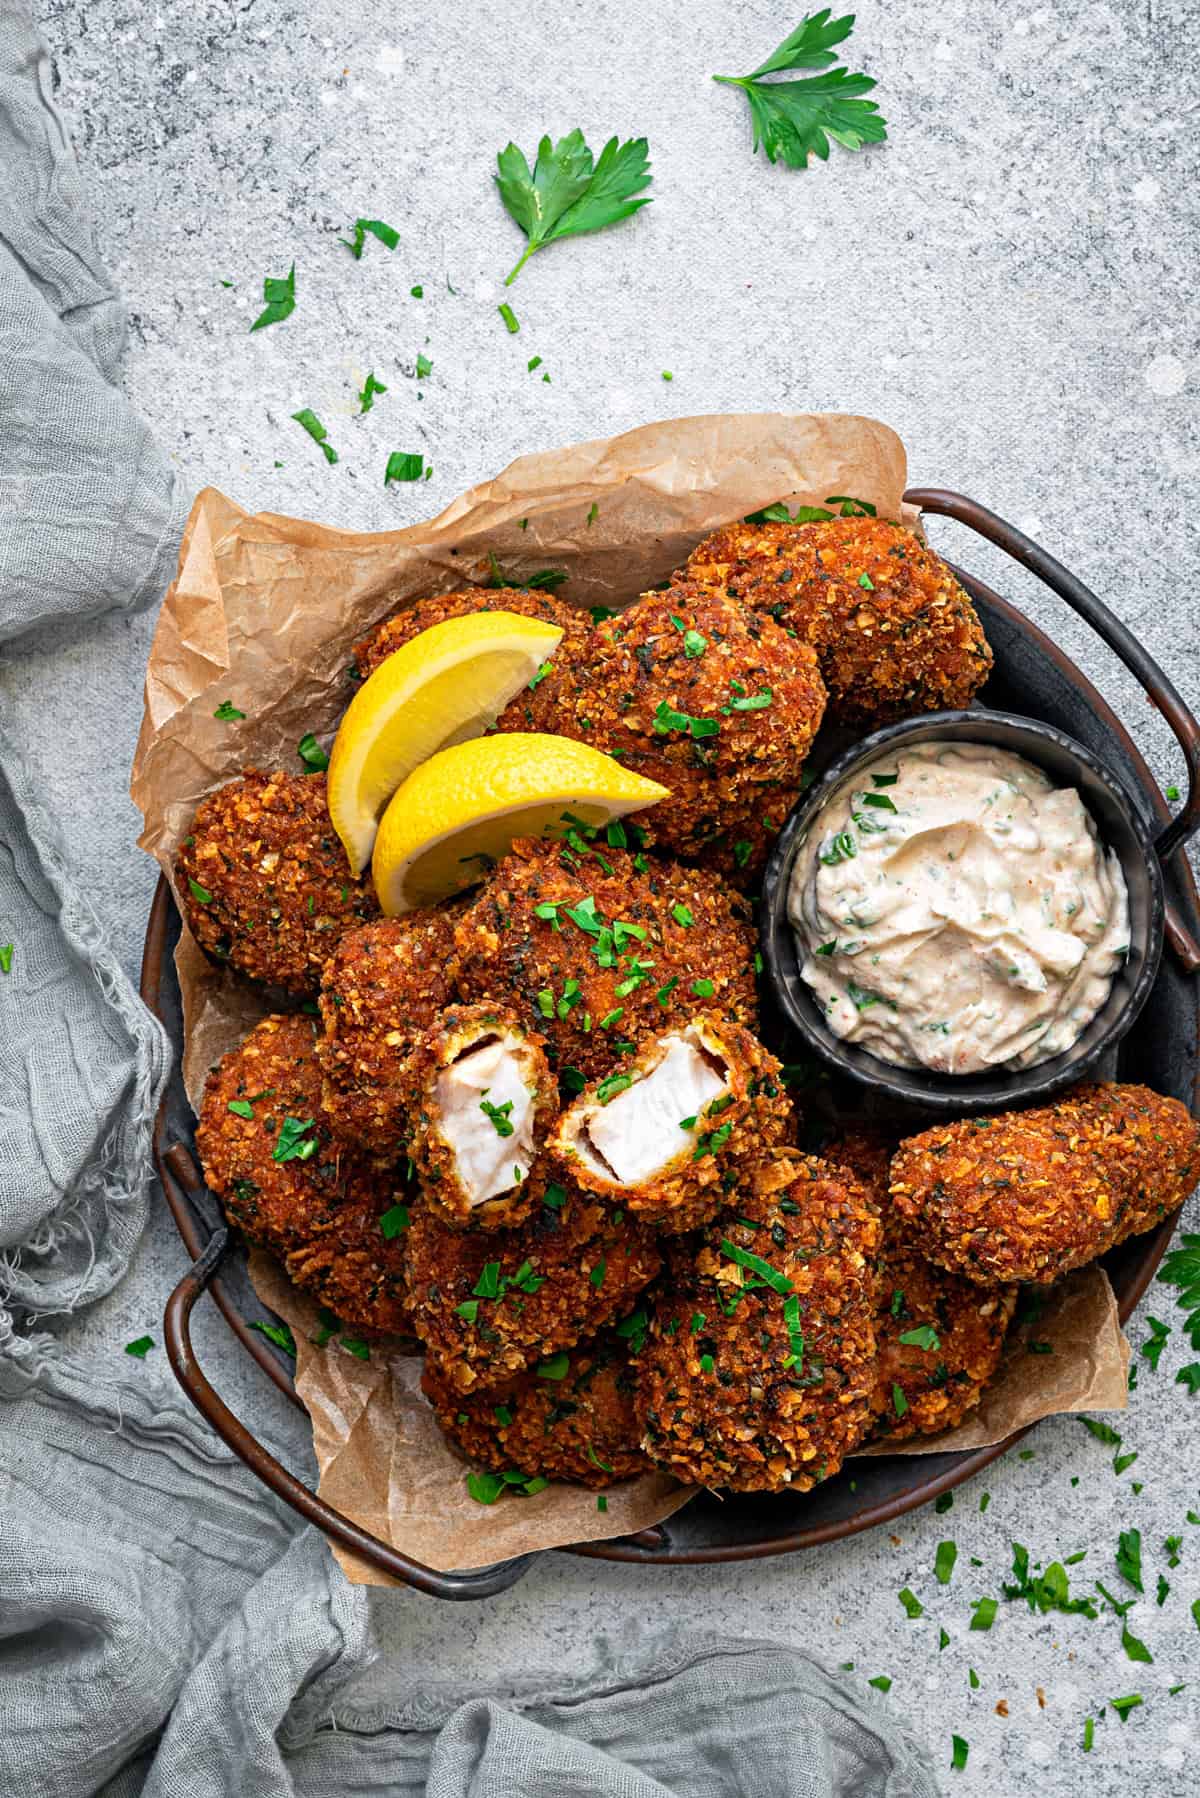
(956, 911)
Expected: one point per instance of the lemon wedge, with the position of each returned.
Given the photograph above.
(441, 687)
(457, 814)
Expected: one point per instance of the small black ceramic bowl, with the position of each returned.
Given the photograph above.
(1121, 829)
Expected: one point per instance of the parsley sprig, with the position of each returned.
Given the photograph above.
(794, 120)
(568, 191)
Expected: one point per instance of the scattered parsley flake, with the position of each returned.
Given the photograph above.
(912, 1604)
(311, 754)
(377, 229)
(984, 1612)
(403, 465)
(309, 421)
(499, 1115)
(959, 1750)
(227, 712)
(393, 1221)
(512, 323)
(556, 1367)
(279, 1334)
(241, 1108)
(424, 365)
(366, 398)
(923, 1337)
(7, 950)
(293, 1142)
(140, 1347)
(1123, 1706)
(280, 294)
(943, 1564)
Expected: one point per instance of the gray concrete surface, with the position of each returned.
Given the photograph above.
(1009, 282)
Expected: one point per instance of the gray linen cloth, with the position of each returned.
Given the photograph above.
(165, 1626)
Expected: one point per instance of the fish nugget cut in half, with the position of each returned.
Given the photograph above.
(665, 1136)
(703, 695)
(489, 1304)
(598, 947)
(760, 1368)
(382, 987)
(480, 1097)
(571, 1419)
(264, 881)
(530, 710)
(287, 1182)
(894, 631)
(1030, 1195)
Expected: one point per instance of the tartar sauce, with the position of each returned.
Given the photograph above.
(956, 911)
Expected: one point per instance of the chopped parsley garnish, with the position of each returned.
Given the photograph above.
(666, 720)
(912, 1604)
(279, 1334)
(1129, 1558)
(383, 233)
(663, 995)
(500, 1116)
(842, 848)
(703, 988)
(706, 1364)
(943, 1563)
(140, 1347)
(614, 1084)
(601, 1502)
(227, 712)
(694, 644)
(393, 1221)
(596, 1277)
(880, 801)
(757, 702)
(311, 754)
(241, 1108)
(959, 1750)
(1133, 1646)
(923, 1337)
(7, 949)
(424, 365)
(1123, 1706)
(682, 915)
(556, 1368)
(354, 1345)
(366, 398)
(309, 421)
(468, 1310)
(899, 1402)
(1151, 1350)
(540, 676)
(983, 1612)
(745, 1258)
(884, 780)
(1103, 1432)
(485, 1488)
(488, 1285)
(293, 1142)
(280, 294)
(512, 323)
(881, 1682)
(403, 465)
(794, 120)
(568, 191)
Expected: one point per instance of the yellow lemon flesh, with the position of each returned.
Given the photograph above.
(458, 814)
(442, 687)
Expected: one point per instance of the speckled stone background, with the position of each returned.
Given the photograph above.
(1010, 282)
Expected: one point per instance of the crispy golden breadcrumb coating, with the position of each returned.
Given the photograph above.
(1029, 1195)
(702, 694)
(893, 629)
(287, 1182)
(940, 1339)
(488, 1304)
(477, 1154)
(759, 1373)
(648, 1139)
(383, 985)
(597, 947)
(531, 710)
(264, 882)
(573, 1421)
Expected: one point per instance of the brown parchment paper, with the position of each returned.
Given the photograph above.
(264, 611)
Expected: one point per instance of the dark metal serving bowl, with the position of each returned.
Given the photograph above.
(1032, 678)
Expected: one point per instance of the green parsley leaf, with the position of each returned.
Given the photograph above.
(596, 1277)
(1189, 1376)
(227, 712)
(984, 1612)
(912, 1604)
(384, 233)
(512, 323)
(394, 1221)
(758, 703)
(140, 1347)
(866, 583)
(881, 1682)
(899, 1401)
(959, 1750)
(424, 366)
(556, 1368)
(468, 1311)
(7, 949)
(1089, 1734)
(923, 1337)
(1103, 1432)
(279, 1334)
(418, 292)
(568, 191)
(280, 295)
(354, 1345)
(241, 1108)
(666, 720)
(694, 644)
(1123, 1706)
(293, 1142)
(499, 1114)
(601, 1502)
(944, 1502)
(1129, 1558)
(402, 465)
(943, 1563)
(703, 988)
(308, 419)
(311, 754)
(485, 1488)
(1135, 1649)
(794, 120)
(366, 398)
(1151, 1350)
(614, 1084)
(770, 1276)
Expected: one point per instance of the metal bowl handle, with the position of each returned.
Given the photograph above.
(480, 1583)
(1159, 690)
